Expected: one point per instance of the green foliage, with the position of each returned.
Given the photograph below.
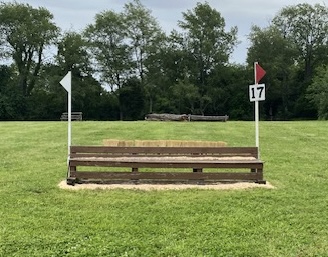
(40, 219)
(290, 49)
(107, 42)
(73, 54)
(206, 36)
(318, 92)
(277, 55)
(12, 102)
(229, 93)
(183, 72)
(306, 26)
(186, 96)
(144, 34)
(207, 43)
(132, 97)
(125, 46)
(26, 31)
(189, 60)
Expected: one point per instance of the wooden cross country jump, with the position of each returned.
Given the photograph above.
(200, 163)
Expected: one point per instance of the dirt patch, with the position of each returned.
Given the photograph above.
(148, 187)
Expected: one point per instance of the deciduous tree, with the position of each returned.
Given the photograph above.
(209, 45)
(278, 55)
(108, 43)
(206, 39)
(25, 32)
(307, 27)
(144, 35)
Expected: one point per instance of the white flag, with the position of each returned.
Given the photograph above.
(66, 82)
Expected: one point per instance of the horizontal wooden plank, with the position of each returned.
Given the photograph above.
(224, 151)
(169, 164)
(167, 176)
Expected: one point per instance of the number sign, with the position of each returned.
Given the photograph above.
(257, 92)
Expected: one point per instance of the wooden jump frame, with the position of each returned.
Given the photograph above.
(198, 160)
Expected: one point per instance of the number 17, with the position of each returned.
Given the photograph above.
(257, 92)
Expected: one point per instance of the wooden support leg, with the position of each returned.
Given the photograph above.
(200, 181)
(71, 180)
(260, 180)
(135, 170)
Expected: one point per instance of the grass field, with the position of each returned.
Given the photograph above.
(39, 219)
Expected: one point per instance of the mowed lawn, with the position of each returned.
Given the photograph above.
(37, 218)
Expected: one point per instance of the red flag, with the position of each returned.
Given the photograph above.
(259, 73)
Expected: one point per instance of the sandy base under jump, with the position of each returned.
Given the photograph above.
(176, 186)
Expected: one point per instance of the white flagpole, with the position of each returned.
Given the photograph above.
(69, 136)
(257, 133)
(66, 83)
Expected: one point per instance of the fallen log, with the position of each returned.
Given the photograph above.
(208, 118)
(166, 117)
(183, 117)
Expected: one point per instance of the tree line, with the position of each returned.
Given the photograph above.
(124, 66)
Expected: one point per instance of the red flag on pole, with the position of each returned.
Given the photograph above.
(259, 73)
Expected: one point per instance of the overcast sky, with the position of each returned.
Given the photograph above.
(76, 14)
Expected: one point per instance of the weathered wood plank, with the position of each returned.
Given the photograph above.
(138, 163)
(168, 175)
(224, 151)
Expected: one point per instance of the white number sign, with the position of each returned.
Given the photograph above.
(257, 92)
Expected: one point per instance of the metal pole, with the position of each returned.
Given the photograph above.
(66, 83)
(257, 131)
(69, 136)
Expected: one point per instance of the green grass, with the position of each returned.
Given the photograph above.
(39, 219)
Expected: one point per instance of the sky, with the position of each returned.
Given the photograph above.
(77, 14)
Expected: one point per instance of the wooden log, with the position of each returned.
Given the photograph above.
(183, 117)
(208, 118)
(166, 117)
